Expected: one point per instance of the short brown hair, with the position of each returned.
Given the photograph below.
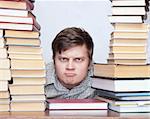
(70, 37)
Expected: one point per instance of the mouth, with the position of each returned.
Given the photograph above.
(70, 74)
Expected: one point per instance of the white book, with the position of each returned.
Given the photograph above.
(125, 19)
(123, 85)
(128, 11)
(128, 3)
(14, 12)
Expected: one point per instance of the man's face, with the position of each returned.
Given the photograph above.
(72, 66)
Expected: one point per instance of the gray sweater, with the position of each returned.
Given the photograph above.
(54, 89)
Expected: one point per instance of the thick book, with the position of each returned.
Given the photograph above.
(130, 41)
(127, 61)
(20, 64)
(25, 56)
(15, 12)
(26, 89)
(28, 98)
(29, 80)
(21, 34)
(17, 4)
(127, 55)
(100, 113)
(27, 106)
(121, 71)
(5, 74)
(24, 50)
(128, 3)
(4, 94)
(128, 49)
(76, 104)
(28, 73)
(125, 19)
(4, 63)
(143, 108)
(121, 85)
(3, 85)
(130, 27)
(128, 11)
(131, 35)
(23, 41)
(19, 26)
(2, 42)
(4, 107)
(124, 96)
(3, 53)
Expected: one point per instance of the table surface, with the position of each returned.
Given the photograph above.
(73, 115)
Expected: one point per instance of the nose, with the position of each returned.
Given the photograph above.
(70, 65)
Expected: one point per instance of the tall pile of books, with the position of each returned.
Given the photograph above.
(21, 34)
(5, 75)
(124, 81)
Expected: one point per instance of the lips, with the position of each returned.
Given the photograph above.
(70, 74)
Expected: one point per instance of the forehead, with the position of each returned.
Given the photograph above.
(76, 51)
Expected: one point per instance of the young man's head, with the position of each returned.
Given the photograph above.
(72, 54)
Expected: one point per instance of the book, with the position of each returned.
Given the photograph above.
(26, 89)
(143, 108)
(19, 20)
(28, 73)
(25, 56)
(4, 107)
(4, 63)
(121, 85)
(4, 94)
(124, 96)
(121, 71)
(128, 3)
(5, 74)
(127, 56)
(29, 80)
(21, 34)
(128, 49)
(20, 64)
(1, 33)
(4, 100)
(28, 98)
(134, 35)
(3, 53)
(17, 4)
(24, 50)
(128, 11)
(76, 104)
(127, 61)
(18, 26)
(15, 12)
(125, 19)
(3, 85)
(100, 113)
(23, 41)
(2, 42)
(130, 27)
(128, 41)
(27, 106)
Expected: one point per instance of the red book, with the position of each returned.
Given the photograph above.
(76, 104)
(17, 4)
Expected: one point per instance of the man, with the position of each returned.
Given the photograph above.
(69, 75)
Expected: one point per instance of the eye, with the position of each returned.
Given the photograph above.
(62, 59)
(78, 59)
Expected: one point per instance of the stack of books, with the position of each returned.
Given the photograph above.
(124, 81)
(5, 75)
(21, 34)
